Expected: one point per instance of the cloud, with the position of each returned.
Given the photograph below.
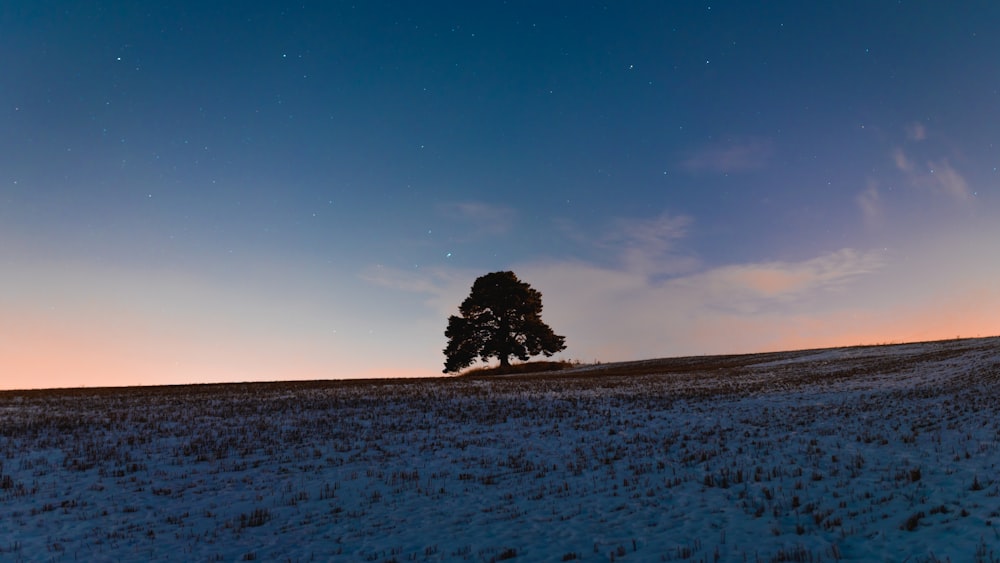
(658, 233)
(443, 288)
(482, 218)
(616, 310)
(916, 131)
(648, 246)
(752, 287)
(944, 177)
(870, 203)
(845, 297)
(617, 314)
(732, 156)
(903, 163)
(937, 176)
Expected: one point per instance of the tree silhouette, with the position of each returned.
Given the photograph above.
(500, 318)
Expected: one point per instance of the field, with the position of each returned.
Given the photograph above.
(885, 453)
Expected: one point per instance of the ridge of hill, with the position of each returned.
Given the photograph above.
(836, 362)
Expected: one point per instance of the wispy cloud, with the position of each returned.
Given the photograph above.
(840, 298)
(916, 131)
(443, 288)
(870, 202)
(648, 246)
(944, 177)
(654, 300)
(754, 286)
(731, 156)
(937, 176)
(613, 313)
(903, 162)
(480, 218)
(617, 311)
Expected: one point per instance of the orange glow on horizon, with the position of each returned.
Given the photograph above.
(48, 356)
(103, 346)
(43, 352)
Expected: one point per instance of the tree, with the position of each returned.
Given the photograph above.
(500, 318)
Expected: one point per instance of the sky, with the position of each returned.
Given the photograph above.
(251, 191)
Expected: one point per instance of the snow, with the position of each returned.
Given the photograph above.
(852, 454)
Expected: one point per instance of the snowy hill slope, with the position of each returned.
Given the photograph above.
(850, 454)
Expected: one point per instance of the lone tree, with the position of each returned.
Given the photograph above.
(500, 318)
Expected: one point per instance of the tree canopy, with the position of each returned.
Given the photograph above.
(500, 318)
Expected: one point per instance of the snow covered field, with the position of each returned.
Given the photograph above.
(883, 453)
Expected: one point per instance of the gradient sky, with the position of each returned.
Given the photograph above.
(247, 190)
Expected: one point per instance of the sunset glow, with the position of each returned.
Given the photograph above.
(218, 193)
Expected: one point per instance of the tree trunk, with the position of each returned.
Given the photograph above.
(504, 330)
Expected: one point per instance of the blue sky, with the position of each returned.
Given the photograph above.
(253, 191)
